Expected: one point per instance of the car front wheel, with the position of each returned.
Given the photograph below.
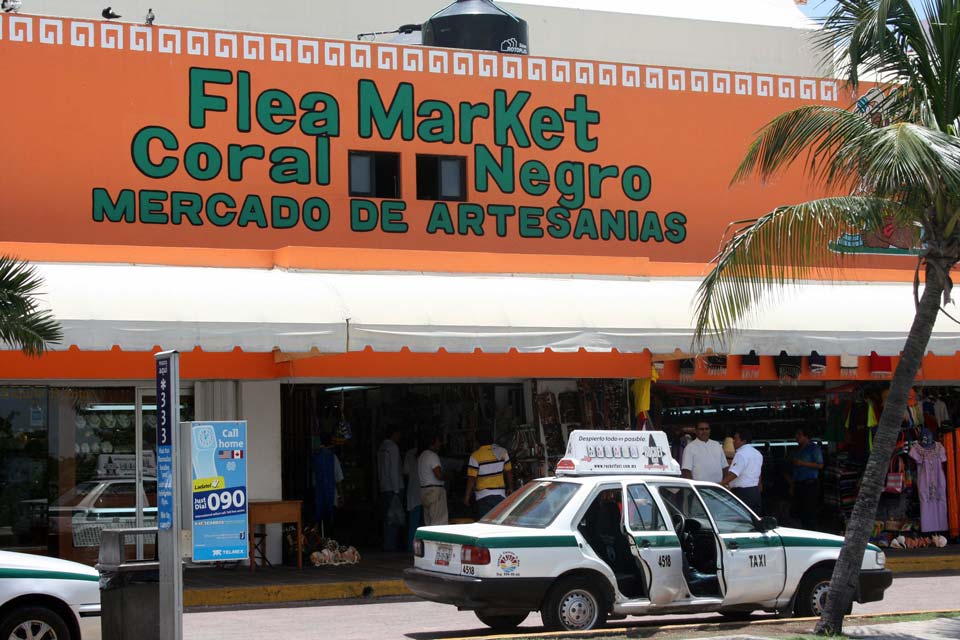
(812, 593)
(34, 623)
(573, 604)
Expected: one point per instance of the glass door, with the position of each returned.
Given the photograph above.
(146, 460)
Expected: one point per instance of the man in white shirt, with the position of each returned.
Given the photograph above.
(433, 495)
(743, 476)
(391, 483)
(703, 459)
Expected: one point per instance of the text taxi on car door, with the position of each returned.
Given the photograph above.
(619, 532)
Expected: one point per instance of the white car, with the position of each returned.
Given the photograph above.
(43, 598)
(77, 518)
(590, 544)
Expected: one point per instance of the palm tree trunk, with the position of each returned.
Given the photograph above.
(845, 579)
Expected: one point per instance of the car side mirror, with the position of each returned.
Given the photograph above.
(768, 523)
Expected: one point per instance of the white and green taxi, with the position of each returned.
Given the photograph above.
(618, 532)
(45, 598)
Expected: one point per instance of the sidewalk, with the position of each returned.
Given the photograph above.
(919, 625)
(939, 629)
(380, 574)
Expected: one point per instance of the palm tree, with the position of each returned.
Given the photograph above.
(22, 324)
(899, 159)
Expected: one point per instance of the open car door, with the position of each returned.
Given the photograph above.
(655, 546)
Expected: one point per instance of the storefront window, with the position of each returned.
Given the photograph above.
(68, 466)
(24, 468)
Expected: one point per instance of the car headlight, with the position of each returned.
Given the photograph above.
(881, 558)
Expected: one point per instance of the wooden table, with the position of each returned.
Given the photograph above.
(271, 512)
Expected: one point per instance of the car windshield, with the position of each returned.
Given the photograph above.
(537, 504)
(76, 495)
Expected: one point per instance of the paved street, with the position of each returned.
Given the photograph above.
(426, 620)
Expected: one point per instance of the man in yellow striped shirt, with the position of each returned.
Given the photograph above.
(489, 474)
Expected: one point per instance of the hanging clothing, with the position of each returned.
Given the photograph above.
(932, 486)
(834, 431)
(327, 473)
(940, 411)
(641, 391)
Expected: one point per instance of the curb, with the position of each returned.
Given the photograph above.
(274, 594)
(923, 564)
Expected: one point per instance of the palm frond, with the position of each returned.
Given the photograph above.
(813, 132)
(22, 324)
(877, 38)
(785, 246)
(33, 332)
(914, 54)
(902, 160)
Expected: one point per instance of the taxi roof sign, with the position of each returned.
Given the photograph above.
(618, 452)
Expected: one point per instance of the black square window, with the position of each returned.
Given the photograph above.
(441, 178)
(375, 174)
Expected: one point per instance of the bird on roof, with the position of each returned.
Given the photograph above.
(109, 14)
(11, 6)
(150, 17)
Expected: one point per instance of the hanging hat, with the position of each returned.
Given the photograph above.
(717, 365)
(817, 363)
(788, 367)
(848, 365)
(688, 369)
(880, 366)
(750, 365)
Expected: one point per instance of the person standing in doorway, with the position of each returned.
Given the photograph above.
(391, 483)
(414, 508)
(489, 474)
(807, 463)
(703, 458)
(743, 476)
(327, 476)
(433, 495)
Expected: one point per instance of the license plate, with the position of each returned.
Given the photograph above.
(442, 557)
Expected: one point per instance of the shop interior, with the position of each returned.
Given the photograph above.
(532, 420)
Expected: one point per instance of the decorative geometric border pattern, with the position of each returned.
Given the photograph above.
(369, 55)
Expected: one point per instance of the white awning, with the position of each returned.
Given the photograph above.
(138, 307)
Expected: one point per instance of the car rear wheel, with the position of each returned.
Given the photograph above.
(502, 621)
(574, 604)
(34, 623)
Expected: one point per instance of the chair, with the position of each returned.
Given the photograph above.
(260, 548)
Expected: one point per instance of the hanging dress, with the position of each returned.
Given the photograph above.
(932, 486)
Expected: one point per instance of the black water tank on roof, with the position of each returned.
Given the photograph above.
(477, 24)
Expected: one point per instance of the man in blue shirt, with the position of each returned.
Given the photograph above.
(807, 463)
